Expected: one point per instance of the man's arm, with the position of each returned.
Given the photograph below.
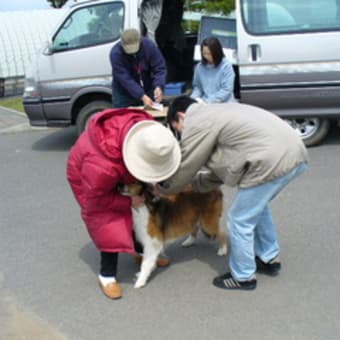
(197, 145)
(121, 73)
(206, 181)
(158, 66)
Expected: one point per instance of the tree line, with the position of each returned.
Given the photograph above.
(223, 6)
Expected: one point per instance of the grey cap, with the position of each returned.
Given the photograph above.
(130, 40)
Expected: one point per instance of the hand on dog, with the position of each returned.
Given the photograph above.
(137, 201)
(188, 188)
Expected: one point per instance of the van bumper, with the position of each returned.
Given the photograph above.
(35, 113)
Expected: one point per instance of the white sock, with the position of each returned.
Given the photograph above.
(105, 280)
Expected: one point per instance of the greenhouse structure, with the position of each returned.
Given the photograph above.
(22, 35)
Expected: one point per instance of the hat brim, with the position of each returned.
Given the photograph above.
(138, 166)
(131, 48)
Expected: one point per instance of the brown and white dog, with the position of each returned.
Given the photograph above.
(167, 218)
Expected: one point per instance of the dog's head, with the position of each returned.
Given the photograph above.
(140, 188)
(133, 189)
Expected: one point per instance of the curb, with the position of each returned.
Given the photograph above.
(13, 111)
(16, 128)
(13, 121)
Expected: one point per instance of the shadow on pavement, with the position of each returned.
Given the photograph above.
(59, 140)
(203, 251)
(127, 266)
(90, 255)
(333, 137)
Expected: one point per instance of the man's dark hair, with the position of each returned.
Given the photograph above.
(215, 48)
(179, 104)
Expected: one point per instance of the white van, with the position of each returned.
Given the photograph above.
(286, 55)
(289, 62)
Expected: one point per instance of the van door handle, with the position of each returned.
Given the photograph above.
(254, 52)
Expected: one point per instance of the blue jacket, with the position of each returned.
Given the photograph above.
(214, 84)
(136, 75)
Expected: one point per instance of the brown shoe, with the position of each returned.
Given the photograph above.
(111, 290)
(161, 261)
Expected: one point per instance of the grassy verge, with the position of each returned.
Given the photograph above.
(14, 103)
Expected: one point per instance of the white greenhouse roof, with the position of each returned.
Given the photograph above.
(22, 35)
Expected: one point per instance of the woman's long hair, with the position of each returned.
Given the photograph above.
(215, 49)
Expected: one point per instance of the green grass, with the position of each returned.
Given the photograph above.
(13, 103)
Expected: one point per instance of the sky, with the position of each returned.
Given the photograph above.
(17, 5)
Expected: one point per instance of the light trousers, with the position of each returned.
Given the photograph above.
(251, 227)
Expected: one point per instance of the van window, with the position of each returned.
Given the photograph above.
(90, 26)
(290, 16)
(220, 27)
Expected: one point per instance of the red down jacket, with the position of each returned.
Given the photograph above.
(94, 169)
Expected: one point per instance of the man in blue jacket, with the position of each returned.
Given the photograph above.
(138, 71)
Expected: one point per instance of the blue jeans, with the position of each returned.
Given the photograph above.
(252, 230)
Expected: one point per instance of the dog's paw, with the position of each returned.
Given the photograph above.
(189, 241)
(222, 251)
(139, 284)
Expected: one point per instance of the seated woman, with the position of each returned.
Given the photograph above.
(214, 76)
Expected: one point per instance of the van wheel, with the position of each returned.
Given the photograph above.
(88, 110)
(311, 130)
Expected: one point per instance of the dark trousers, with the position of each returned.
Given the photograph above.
(109, 261)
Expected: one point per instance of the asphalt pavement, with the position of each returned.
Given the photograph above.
(49, 266)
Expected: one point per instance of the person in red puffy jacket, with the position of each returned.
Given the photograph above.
(95, 168)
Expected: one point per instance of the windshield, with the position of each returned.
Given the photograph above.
(283, 16)
(90, 26)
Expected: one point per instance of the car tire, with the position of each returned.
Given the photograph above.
(311, 130)
(88, 110)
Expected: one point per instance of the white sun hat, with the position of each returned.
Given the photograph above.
(150, 151)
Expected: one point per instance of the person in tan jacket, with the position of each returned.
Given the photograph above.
(245, 147)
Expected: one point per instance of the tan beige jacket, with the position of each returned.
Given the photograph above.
(238, 144)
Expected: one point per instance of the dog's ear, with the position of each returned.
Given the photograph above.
(140, 188)
(144, 186)
(137, 188)
(148, 192)
(151, 200)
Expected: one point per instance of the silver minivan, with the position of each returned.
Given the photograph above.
(288, 57)
(71, 78)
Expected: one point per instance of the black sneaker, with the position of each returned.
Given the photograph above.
(271, 268)
(226, 281)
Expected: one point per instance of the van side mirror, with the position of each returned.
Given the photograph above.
(48, 50)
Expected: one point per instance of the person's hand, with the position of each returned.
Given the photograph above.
(188, 188)
(147, 101)
(137, 201)
(199, 100)
(158, 94)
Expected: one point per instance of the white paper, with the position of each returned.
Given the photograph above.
(157, 106)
